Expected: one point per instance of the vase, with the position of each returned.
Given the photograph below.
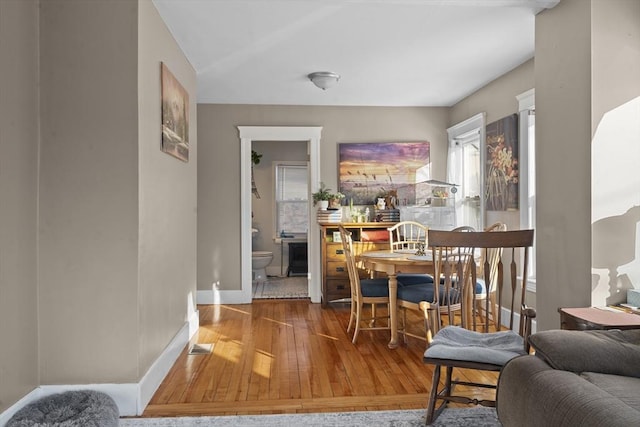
(323, 205)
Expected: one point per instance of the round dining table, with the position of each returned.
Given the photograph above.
(394, 263)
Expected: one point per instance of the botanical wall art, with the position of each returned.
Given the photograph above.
(370, 170)
(175, 116)
(502, 174)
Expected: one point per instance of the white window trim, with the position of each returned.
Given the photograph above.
(526, 102)
(462, 130)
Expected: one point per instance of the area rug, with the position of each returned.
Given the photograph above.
(472, 417)
(282, 288)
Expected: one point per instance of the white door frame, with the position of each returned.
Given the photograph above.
(306, 134)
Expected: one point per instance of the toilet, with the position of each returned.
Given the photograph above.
(259, 262)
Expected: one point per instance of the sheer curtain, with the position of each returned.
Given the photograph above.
(464, 167)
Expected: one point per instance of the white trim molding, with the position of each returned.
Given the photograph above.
(131, 398)
(309, 135)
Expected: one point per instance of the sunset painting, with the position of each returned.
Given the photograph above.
(372, 169)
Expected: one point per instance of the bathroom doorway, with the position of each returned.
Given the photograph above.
(280, 219)
(310, 137)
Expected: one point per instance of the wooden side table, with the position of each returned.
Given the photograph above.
(589, 318)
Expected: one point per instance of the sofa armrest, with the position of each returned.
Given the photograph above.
(532, 394)
(609, 352)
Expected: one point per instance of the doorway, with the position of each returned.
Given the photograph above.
(303, 134)
(280, 218)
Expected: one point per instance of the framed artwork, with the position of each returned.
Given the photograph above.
(368, 170)
(501, 169)
(175, 116)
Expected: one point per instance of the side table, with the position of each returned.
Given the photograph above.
(589, 318)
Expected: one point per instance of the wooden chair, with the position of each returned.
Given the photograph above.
(363, 291)
(485, 293)
(456, 347)
(409, 236)
(413, 292)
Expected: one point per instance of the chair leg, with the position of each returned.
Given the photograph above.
(431, 405)
(358, 317)
(404, 325)
(352, 316)
(372, 323)
(447, 382)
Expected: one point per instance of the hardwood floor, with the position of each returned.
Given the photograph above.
(290, 356)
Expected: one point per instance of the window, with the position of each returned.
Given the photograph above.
(291, 205)
(527, 122)
(464, 168)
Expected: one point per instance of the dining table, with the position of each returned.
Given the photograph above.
(394, 263)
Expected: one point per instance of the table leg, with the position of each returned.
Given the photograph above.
(393, 310)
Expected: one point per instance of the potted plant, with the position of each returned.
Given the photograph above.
(322, 196)
(334, 200)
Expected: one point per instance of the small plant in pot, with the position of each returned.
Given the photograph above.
(334, 200)
(322, 196)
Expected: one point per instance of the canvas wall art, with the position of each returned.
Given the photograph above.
(369, 170)
(502, 172)
(175, 116)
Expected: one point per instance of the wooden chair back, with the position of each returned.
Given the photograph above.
(408, 235)
(352, 268)
(504, 266)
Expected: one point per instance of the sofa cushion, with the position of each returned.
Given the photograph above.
(627, 389)
(609, 352)
(532, 394)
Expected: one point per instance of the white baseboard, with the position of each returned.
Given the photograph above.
(209, 297)
(516, 320)
(131, 398)
(32, 396)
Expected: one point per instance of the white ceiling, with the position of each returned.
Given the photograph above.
(387, 52)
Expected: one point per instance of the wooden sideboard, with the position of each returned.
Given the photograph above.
(367, 236)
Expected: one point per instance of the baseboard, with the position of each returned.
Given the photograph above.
(516, 320)
(160, 368)
(210, 297)
(131, 398)
(32, 396)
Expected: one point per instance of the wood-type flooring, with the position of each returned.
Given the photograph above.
(292, 356)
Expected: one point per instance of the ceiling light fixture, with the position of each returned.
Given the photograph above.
(324, 79)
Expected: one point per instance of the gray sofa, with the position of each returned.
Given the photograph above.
(575, 378)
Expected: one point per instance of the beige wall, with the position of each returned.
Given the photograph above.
(97, 256)
(563, 157)
(167, 196)
(88, 192)
(498, 98)
(219, 167)
(615, 149)
(615, 55)
(18, 199)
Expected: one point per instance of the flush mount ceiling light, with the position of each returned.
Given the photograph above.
(324, 79)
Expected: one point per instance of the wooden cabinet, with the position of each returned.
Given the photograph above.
(592, 318)
(367, 236)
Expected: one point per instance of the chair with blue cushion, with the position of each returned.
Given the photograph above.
(453, 347)
(363, 291)
(409, 236)
(422, 289)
